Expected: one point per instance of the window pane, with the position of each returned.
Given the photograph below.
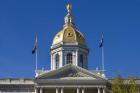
(81, 60)
(57, 61)
(69, 58)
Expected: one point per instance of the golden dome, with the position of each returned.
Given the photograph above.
(69, 34)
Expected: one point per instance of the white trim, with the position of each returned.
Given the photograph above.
(71, 86)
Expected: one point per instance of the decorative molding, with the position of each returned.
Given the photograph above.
(74, 75)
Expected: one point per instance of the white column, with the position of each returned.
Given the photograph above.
(99, 90)
(57, 91)
(76, 57)
(35, 90)
(78, 90)
(41, 90)
(62, 90)
(51, 61)
(61, 64)
(103, 90)
(54, 62)
(83, 90)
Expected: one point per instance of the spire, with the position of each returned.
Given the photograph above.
(68, 17)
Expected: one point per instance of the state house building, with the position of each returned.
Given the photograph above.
(69, 67)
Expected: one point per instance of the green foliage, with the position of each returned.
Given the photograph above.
(121, 85)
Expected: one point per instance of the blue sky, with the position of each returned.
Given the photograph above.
(119, 20)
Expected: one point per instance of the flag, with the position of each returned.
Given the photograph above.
(35, 45)
(101, 42)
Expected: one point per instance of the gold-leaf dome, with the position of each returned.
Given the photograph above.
(70, 35)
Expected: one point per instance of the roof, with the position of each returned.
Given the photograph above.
(69, 34)
(70, 71)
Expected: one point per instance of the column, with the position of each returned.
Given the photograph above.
(103, 90)
(54, 66)
(35, 90)
(76, 57)
(57, 90)
(83, 90)
(51, 61)
(41, 90)
(60, 59)
(62, 90)
(78, 90)
(99, 90)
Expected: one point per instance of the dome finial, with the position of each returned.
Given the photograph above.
(69, 7)
(68, 17)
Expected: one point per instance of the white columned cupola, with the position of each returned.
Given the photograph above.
(69, 45)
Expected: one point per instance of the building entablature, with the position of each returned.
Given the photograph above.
(14, 81)
(67, 45)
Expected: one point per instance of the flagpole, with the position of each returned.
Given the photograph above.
(36, 60)
(36, 55)
(103, 58)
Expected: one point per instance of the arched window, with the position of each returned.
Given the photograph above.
(81, 61)
(69, 58)
(56, 61)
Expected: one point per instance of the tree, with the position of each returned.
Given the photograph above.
(121, 85)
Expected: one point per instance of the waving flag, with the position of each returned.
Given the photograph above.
(35, 45)
(101, 42)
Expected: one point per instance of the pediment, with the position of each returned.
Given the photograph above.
(70, 72)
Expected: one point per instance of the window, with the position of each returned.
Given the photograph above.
(56, 61)
(69, 58)
(81, 61)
